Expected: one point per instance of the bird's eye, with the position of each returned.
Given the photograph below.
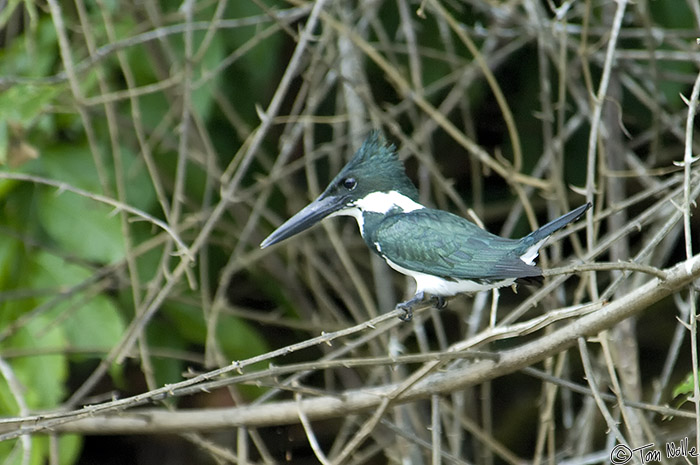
(349, 183)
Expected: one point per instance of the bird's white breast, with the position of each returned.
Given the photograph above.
(438, 286)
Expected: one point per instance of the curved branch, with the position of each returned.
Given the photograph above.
(146, 421)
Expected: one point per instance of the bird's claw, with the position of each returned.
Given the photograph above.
(407, 307)
(407, 314)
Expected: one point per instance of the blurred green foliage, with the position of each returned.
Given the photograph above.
(59, 308)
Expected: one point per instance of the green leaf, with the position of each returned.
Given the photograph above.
(43, 369)
(22, 103)
(237, 338)
(72, 164)
(254, 69)
(9, 253)
(4, 143)
(95, 325)
(33, 55)
(685, 387)
(161, 336)
(69, 447)
(140, 192)
(88, 322)
(203, 96)
(42, 376)
(81, 226)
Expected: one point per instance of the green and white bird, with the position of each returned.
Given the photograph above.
(445, 253)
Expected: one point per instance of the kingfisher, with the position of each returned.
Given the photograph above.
(444, 253)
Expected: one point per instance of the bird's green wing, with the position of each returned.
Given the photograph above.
(442, 244)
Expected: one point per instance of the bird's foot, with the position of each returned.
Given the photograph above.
(407, 306)
(439, 302)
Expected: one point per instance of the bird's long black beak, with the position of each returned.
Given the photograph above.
(310, 215)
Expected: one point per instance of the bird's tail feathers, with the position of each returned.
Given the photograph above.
(555, 225)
